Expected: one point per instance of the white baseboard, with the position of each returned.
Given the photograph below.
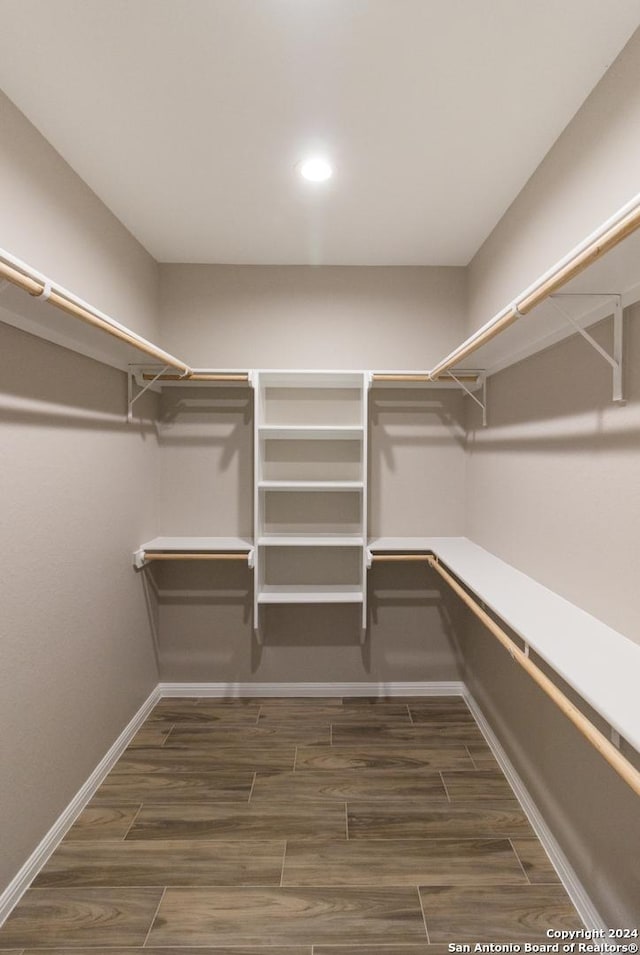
(575, 889)
(238, 690)
(20, 883)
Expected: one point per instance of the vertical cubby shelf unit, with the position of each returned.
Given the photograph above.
(310, 507)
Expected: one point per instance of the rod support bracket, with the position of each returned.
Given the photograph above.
(615, 360)
(139, 560)
(251, 558)
(481, 402)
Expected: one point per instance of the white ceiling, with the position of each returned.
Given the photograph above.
(186, 117)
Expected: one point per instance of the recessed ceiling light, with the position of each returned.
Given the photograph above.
(315, 169)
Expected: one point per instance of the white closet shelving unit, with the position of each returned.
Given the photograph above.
(310, 507)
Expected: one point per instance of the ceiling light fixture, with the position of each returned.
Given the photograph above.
(315, 169)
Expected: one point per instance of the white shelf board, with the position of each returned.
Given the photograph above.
(602, 665)
(311, 379)
(310, 594)
(311, 485)
(200, 544)
(440, 384)
(292, 432)
(317, 540)
(618, 272)
(25, 312)
(418, 545)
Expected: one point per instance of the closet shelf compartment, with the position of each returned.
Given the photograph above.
(292, 432)
(309, 540)
(311, 485)
(310, 594)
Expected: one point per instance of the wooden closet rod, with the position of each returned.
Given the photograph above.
(201, 376)
(399, 557)
(36, 288)
(180, 555)
(609, 237)
(613, 756)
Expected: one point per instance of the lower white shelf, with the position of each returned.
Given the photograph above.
(311, 540)
(310, 594)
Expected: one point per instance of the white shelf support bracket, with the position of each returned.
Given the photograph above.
(369, 558)
(131, 398)
(139, 559)
(482, 403)
(251, 558)
(615, 360)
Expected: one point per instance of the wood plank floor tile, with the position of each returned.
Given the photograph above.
(404, 862)
(206, 759)
(367, 784)
(482, 756)
(363, 713)
(422, 948)
(205, 712)
(306, 703)
(48, 917)
(163, 863)
(507, 914)
(213, 796)
(353, 758)
(167, 787)
(445, 709)
(307, 821)
(297, 732)
(401, 820)
(181, 950)
(479, 785)
(432, 734)
(151, 734)
(535, 861)
(103, 822)
(278, 916)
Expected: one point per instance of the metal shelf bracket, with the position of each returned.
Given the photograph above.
(131, 397)
(615, 360)
(482, 403)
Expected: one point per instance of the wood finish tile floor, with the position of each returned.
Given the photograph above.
(296, 827)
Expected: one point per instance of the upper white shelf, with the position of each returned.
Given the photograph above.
(21, 310)
(310, 594)
(602, 665)
(311, 485)
(587, 298)
(311, 540)
(292, 432)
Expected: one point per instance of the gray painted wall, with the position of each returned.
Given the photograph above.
(553, 489)
(55, 223)
(304, 317)
(299, 317)
(78, 494)
(591, 811)
(552, 483)
(77, 486)
(591, 171)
